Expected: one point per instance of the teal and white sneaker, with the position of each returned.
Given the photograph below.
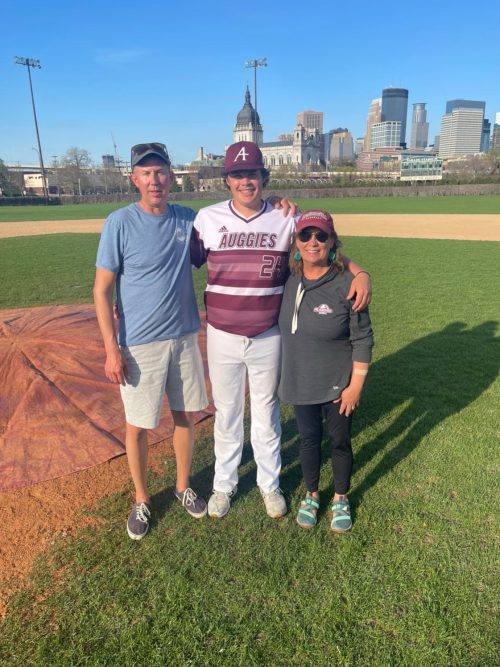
(220, 502)
(275, 503)
(341, 519)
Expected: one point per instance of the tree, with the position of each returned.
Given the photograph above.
(174, 186)
(75, 171)
(10, 183)
(187, 183)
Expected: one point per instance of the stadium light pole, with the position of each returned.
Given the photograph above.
(29, 63)
(254, 64)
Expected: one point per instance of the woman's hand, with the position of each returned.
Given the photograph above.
(349, 399)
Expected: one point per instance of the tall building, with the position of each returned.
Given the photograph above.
(497, 118)
(359, 145)
(386, 134)
(485, 136)
(495, 137)
(461, 129)
(311, 120)
(419, 126)
(248, 127)
(374, 113)
(341, 145)
(395, 108)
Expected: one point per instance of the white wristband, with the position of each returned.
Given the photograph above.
(360, 371)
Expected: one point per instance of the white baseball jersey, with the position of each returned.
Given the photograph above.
(247, 263)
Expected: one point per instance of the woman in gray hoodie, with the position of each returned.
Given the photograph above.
(326, 354)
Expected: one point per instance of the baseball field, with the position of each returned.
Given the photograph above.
(415, 583)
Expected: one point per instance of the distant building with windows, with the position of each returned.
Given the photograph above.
(419, 126)
(311, 120)
(386, 134)
(461, 128)
(374, 113)
(341, 146)
(485, 136)
(421, 168)
(395, 109)
(495, 136)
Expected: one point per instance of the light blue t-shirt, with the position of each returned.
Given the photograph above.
(150, 255)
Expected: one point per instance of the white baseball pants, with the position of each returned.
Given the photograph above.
(231, 358)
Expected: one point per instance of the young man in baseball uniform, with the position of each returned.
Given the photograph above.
(246, 243)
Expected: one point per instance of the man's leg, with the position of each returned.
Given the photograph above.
(183, 442)
(186, 392)
(137, 456)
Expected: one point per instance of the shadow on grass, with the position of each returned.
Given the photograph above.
(434, 377)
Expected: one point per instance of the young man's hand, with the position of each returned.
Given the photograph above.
(283, 203)
(361, 286)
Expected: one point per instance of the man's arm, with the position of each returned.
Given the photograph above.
(361, 285)
(104, 285)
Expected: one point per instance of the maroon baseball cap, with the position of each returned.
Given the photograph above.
(316, 218)
(243, 156)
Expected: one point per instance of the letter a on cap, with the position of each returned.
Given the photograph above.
(241, 153)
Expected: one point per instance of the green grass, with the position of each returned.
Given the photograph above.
(454, 204)
(414, 584)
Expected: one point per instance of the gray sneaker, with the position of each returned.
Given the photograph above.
(275, 503)
(138, 521)
(219, 503)
(195, 506)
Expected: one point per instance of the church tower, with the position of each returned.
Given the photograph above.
(248, 127)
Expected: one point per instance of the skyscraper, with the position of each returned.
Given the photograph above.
(311, 120)
(419, 126)
(461, 128)
(395, 108)
(485, 136)
(373, 117)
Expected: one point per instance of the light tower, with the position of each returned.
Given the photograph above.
(255, 64)
(29, 63)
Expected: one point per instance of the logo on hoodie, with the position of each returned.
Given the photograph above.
(323, 309)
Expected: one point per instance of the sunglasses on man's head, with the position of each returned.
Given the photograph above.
(140, 150)
(306, 234)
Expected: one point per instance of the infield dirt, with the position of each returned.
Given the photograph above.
(434, 226)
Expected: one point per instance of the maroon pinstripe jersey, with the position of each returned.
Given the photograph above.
(247, 262)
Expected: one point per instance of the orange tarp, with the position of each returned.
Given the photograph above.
(58, 413)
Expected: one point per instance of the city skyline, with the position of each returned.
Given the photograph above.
(177, 74)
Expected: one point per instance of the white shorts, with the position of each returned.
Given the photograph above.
(174, 367)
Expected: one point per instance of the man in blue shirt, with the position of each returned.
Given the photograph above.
(144, 253)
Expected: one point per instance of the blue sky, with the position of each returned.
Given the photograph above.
(174, 71)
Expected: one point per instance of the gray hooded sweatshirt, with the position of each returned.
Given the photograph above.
(321, 337)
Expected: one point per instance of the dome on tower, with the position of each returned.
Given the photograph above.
(248, 115)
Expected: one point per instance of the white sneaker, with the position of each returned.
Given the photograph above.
(220, 502)
(275, 503)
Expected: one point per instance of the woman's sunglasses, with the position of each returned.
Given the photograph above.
(306, 234)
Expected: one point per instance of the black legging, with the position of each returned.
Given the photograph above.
(310, 424)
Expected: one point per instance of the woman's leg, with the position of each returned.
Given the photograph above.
(310, 425)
